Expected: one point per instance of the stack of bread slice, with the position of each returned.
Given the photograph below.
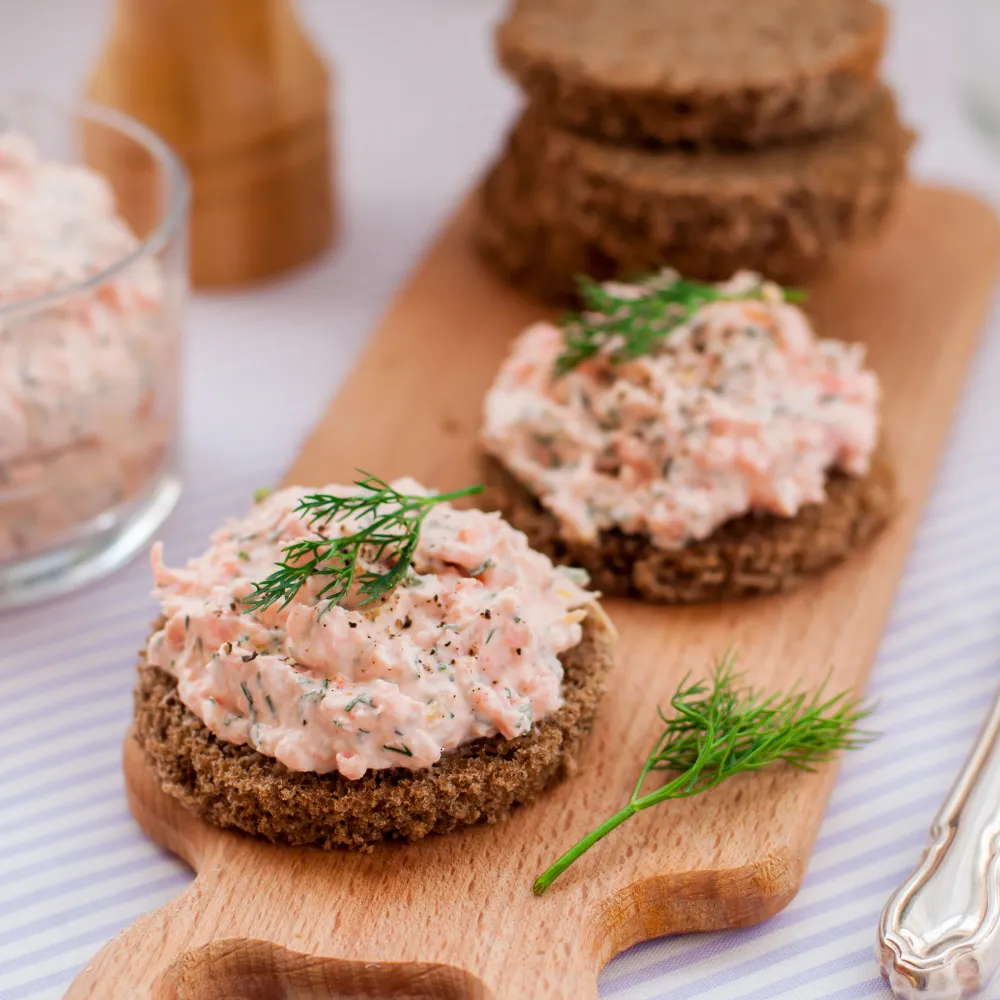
(707, 135)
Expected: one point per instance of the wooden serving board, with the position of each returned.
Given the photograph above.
(453, 918)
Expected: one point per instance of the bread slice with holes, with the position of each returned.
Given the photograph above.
(557, 204)
(696, 72)
(480, 782)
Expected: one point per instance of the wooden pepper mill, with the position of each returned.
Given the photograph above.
(240, 92)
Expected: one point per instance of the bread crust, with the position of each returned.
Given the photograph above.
(752, 555)
(556, 205)
(236, 786)
(715, 73)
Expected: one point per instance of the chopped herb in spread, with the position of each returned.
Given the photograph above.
(361, 699)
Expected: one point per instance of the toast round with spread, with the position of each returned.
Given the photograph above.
(557, 204)
(236, 786)
(708, 72)
(756, 554)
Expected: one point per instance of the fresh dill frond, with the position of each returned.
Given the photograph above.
(638, 323)
(391, 523)
(718, 729)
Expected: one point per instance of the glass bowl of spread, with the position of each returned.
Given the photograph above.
(93, 281)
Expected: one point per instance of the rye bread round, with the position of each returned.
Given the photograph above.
(753, 555)
(236, 786)
(557, 204)
(702, 72)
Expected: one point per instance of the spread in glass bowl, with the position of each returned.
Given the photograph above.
(466, 646)
(722, 402)
(82, 424)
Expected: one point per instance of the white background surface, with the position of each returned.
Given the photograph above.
(421, 109)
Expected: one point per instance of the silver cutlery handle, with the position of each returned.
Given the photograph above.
(939, 936)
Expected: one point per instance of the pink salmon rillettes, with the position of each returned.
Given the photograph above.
(740, 407)
(467, 646)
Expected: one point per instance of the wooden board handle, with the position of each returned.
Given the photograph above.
(147, 959)
(242, 969)
(149, 955)
(259, 922)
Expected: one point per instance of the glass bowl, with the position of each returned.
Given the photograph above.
(90, 343)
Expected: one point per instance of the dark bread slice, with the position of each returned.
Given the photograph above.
(540, 258)
(748, 556)
(235, 786)
(557, 204)
(702, 72)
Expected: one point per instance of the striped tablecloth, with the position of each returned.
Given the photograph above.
(74, 868)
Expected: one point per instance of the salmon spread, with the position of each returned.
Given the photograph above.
(80, 430)
(740, 407)
(466, 646)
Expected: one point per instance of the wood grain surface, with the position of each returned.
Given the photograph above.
(453, 918)
(238, 88)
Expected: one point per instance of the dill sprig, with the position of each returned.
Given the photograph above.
(638, 323)
(389, 535)
(718, 729)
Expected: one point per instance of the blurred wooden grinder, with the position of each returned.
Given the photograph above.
(238, 89)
